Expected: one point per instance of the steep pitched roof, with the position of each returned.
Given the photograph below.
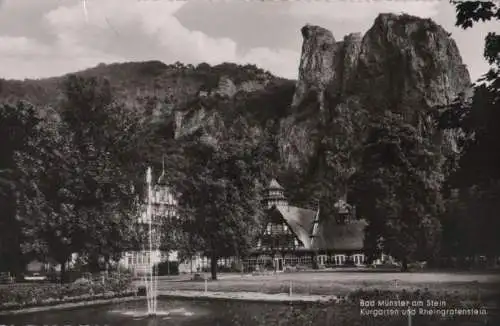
(330, 235)
(275, 185)
(300, 221)
(335, 236)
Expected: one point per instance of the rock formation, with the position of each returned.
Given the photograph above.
(317, 68)
(402, 63)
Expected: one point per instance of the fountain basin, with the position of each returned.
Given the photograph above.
(169, 312)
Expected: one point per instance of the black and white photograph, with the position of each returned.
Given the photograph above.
(249, 163)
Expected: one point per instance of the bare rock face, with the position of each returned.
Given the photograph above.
(348, 61)
(190, 122)
(226, 87)
(402, 63)
(193, 120)
(411, 63)
(317, 68)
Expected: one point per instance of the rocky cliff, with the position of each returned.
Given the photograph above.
(402, 63)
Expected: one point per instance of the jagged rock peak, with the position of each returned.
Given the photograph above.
(313, 31)
(413, 62)
(384, 18)
(402, 63)
(353, 37)
(402, 59)
(316, 62)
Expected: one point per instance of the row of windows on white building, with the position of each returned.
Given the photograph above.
(296, 243)
(164, 196)
(292, 260)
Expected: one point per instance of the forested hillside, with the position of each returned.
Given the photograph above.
(365, 121)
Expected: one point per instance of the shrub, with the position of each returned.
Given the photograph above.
(168, 268)
(349, 263)
(20, 295)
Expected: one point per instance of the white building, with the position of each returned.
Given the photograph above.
(160, 205)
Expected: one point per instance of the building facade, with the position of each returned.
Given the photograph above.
(160, 207)
(301, 237)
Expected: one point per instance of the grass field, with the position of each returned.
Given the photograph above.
(341, 283)
(465, 290)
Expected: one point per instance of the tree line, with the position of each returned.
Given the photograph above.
(71, 177)
(424, 201)
(72, 182)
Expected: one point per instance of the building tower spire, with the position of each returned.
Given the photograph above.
(161, 179)
(275, 195)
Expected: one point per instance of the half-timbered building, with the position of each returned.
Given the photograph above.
(300, 237)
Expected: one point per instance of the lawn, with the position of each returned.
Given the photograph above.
(342, 283)
(459, 290)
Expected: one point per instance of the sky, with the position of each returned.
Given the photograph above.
(44, 38)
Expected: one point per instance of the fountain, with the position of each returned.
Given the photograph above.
(150, 231)
(151, 275)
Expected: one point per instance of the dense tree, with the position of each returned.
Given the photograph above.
(480, 162)
(47, 195)
(471, 216)
(19, 130)
(398, 188)
(221, 191)
(340, 153)
(468, 14)
(477, 179)
(107, 137)
(82, 194)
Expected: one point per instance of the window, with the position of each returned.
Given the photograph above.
(291, 260)
(269, 229)
(322, 259)
(262, 259)
(285, 227)
(276, 228)
(339, 259)
(359, 258)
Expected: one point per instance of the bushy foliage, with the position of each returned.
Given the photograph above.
(473, 200)
(73, 177)
(15, 296)
(398, 188)
(168, 268)
(134, 79)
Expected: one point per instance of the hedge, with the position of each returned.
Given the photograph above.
(14, 296)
